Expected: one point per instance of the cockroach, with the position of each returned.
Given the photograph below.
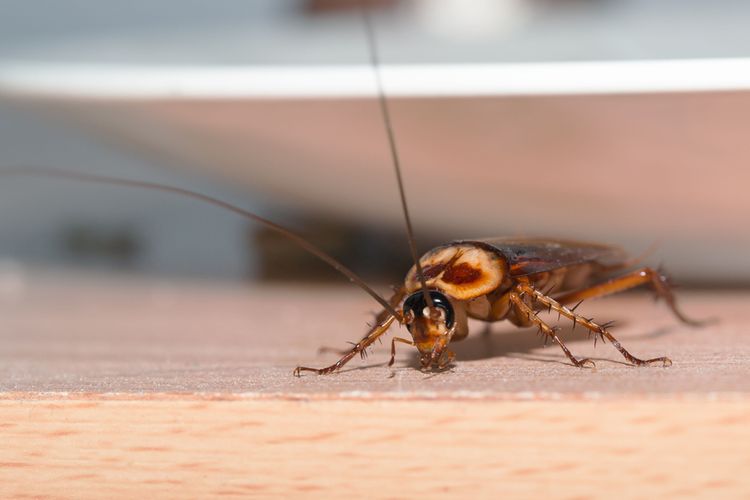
(485, 279)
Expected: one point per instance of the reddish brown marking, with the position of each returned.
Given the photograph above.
(433, 271)
(461, 274)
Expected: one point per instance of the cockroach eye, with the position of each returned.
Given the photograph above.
(416, 305)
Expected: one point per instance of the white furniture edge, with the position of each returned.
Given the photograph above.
(416, 80)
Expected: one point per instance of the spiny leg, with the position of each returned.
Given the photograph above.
(597, 329)
(393, 347)
(643, 276)
(380, 318)
(524, 309)
(359, 347)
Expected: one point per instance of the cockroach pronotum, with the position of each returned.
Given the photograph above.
(485, 279)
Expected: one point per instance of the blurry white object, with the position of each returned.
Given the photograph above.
(422, 80)
(472, 19)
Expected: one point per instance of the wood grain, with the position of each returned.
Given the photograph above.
(186, 447)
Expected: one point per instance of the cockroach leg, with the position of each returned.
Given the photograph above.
(595, 328)
(393, 347)
(358, 348)
(646, 275)
(340, 352)
(380, 318)
(550, 332)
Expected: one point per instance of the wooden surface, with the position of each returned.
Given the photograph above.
(120, 387)
(191, 447)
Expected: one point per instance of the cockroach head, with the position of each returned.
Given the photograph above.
(430, 328)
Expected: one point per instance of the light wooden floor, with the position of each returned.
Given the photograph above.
(124, 387)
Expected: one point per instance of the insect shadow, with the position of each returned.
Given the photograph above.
(511, 342)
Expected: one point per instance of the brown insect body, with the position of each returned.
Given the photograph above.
(507, 278)
(479, 276)
(477, 271)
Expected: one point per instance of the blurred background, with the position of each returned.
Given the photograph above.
(621, 121)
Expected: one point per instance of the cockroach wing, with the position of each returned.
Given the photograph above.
(535, 255)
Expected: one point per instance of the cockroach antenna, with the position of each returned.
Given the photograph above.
(59, 173)
(374, 60)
